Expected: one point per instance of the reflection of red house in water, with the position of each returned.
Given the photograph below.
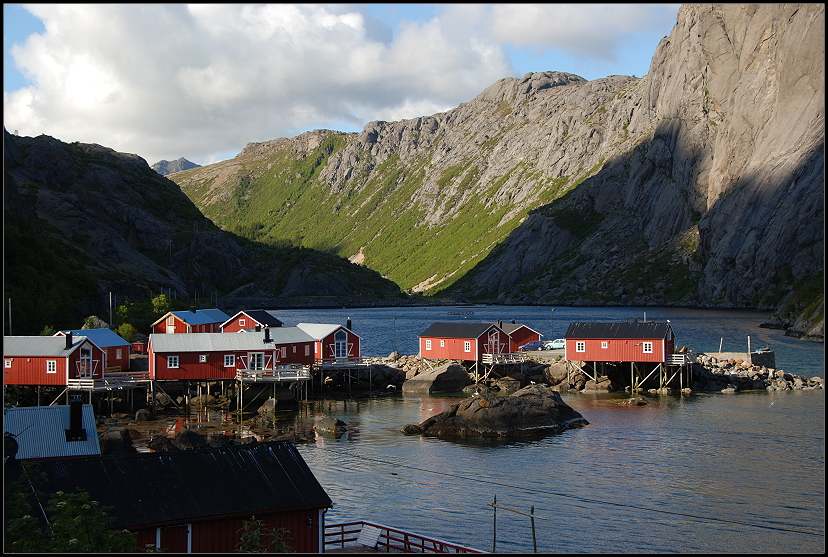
(463, 341)
(53, 360)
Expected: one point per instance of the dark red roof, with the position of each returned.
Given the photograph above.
(649, 329)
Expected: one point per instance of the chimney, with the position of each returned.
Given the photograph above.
(193, 309)
(267, 334)
(75, 431)
(68, 340)
(348, 324)
(258, 328)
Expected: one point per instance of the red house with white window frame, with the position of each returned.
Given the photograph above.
(214, 356)
(117, 349)
(333, 343)
(519, 334)
(51, 360)
(250, 319)
(463, 341)
(192, 321)
(619, 342)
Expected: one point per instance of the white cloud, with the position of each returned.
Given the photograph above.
(200, 81)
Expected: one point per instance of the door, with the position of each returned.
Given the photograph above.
(341, 344)
(255, 360)
(85, 369)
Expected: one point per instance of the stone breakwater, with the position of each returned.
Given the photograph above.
(710, 374)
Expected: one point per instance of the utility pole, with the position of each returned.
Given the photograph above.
(10, 331)
(110, 309)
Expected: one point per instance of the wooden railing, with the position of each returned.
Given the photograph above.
(678, 359)
(290, 372)
(370, 535)
(114, 380)
(503, 358)
(328, 363)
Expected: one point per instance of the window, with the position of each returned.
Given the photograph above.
(604, 344)
(171, 321)
(467, 346)
(580, 346)
(242, 322)
(648, 347)
(51, 366)
(428, 344)
(229, 360)
(172, 362)
(307, 350)
(284, 352)
(442, 344)
(202, 358)
(119, 353)
(294, 349)
(8, 363)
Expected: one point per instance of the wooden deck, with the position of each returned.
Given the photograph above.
(370, 537)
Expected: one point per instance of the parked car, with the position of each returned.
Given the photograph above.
(534, 345)
(554, 344)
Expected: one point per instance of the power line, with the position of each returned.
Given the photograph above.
(577, 497)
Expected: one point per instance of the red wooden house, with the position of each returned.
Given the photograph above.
(519, 334)
(619, 342)
(250, 319)
(55, 360)
(213, 356)
(117, 349)
(463, 341)
(192, 321)
(197, 501)
(333, 343)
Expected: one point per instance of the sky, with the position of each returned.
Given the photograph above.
(165, 81)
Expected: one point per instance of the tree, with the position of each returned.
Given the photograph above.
(73, 522)
(48, 331)
(257, 538)
(127, 332)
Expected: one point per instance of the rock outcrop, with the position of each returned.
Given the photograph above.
(531, 411)
(448, 378)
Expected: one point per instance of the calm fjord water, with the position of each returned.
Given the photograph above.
(705, 473)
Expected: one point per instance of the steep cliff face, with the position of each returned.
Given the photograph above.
(701, 183)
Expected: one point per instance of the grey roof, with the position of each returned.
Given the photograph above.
(40, 431)
(103, 338)
(40, 346)
(320, 330)
(456, 330)
(649, 329)
(510, 328)
(262, 316)
(176, 487)
(220, 342)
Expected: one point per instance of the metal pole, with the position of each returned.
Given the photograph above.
(532, 518)
(494, 526)
(10, 330)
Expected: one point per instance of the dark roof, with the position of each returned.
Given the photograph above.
(510, 328)
(649, 329)
(181, 486)
(264, 317)
(456, 330)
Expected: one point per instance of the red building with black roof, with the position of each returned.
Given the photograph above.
(463, 341)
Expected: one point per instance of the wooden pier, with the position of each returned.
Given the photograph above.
(370, 537)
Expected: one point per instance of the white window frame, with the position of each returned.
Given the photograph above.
(119, 353)
(466, 346)
(173, 362)
(647, 347)
(294, 349)
(442, 343)
(242, 322)
(51, 366)
(202, 358)
(9, 363)
(307, 350)
(604, 344)
(229, 360)
(580, 346)
(428, 344)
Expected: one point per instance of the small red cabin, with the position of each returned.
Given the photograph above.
(250, 319)
(222, 356)
(463, 341)
(53, 360)
(192, 321)
(333, 343)
(519, 334)
(619, 342)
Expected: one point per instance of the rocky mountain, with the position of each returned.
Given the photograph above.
(82, 221)
(166, 167)
(700, 184)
